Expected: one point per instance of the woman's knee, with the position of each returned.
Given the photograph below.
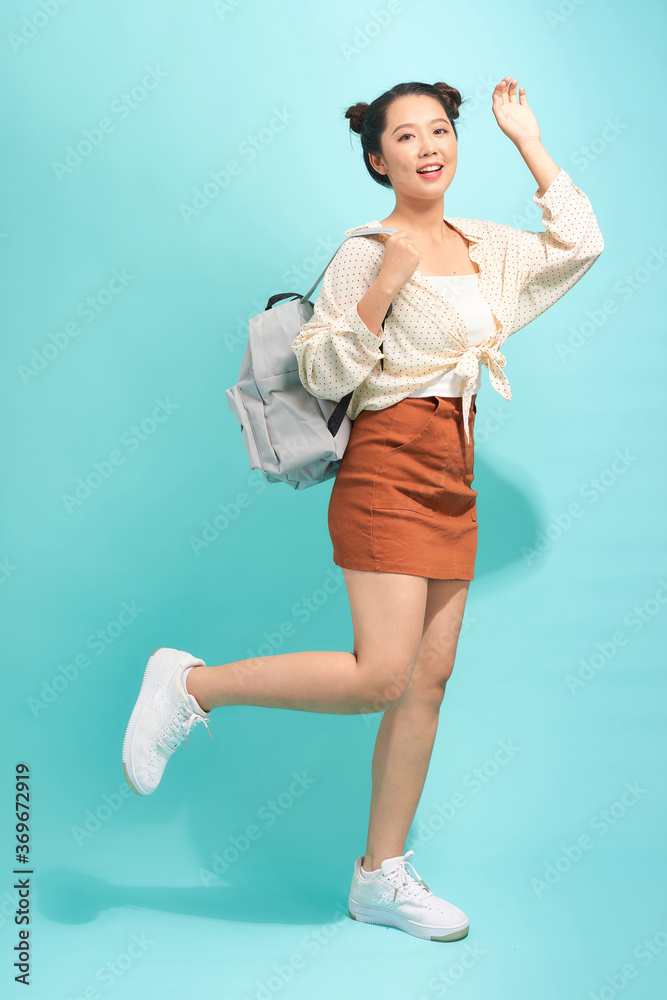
(388, 618)
(429, 681)
(383, 684)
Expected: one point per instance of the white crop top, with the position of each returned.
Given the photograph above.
(463, 292)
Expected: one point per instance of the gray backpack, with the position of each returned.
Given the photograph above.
(291, 435)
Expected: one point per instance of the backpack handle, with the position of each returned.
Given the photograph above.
(368, 231)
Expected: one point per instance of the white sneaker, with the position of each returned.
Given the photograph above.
(397, 898)
(164, 713)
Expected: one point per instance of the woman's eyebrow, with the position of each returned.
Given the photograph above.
(412, 124)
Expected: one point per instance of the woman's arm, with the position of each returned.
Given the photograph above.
(544, 169)
(373, 305)
(547, 263)
(336, 349)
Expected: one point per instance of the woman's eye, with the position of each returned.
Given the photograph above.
(435, 130)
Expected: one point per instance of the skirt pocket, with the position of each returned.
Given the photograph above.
(410, 419)
(410, 475)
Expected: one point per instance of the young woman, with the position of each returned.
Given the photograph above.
(402, 513)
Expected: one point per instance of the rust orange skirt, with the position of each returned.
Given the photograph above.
(402, 500)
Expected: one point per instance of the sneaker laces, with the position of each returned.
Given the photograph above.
(179, 726)
(411, 884)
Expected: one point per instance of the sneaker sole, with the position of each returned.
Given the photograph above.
(145, 692)
(379, 915)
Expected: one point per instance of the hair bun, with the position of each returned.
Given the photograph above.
(356, 115)
(451, 95)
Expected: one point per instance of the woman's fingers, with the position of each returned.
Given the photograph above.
(506, 92)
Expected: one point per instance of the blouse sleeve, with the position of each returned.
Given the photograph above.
(335, 350)
(551, 262)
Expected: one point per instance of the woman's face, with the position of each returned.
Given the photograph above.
(418, 132)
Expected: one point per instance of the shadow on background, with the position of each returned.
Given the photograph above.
(508, 520)
(69, 896)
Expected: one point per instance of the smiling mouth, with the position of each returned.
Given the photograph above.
(430, 172)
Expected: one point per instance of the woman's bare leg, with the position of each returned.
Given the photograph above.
(407, 732)
(388, 612)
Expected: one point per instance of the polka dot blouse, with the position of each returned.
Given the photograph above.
(521, 274)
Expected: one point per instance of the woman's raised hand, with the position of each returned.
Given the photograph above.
(512, 113)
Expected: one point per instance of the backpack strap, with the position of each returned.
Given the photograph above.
(368, 231)
(336, 418)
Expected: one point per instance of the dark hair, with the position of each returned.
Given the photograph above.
(370, 120)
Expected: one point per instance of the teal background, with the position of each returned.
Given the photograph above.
(108, 866)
